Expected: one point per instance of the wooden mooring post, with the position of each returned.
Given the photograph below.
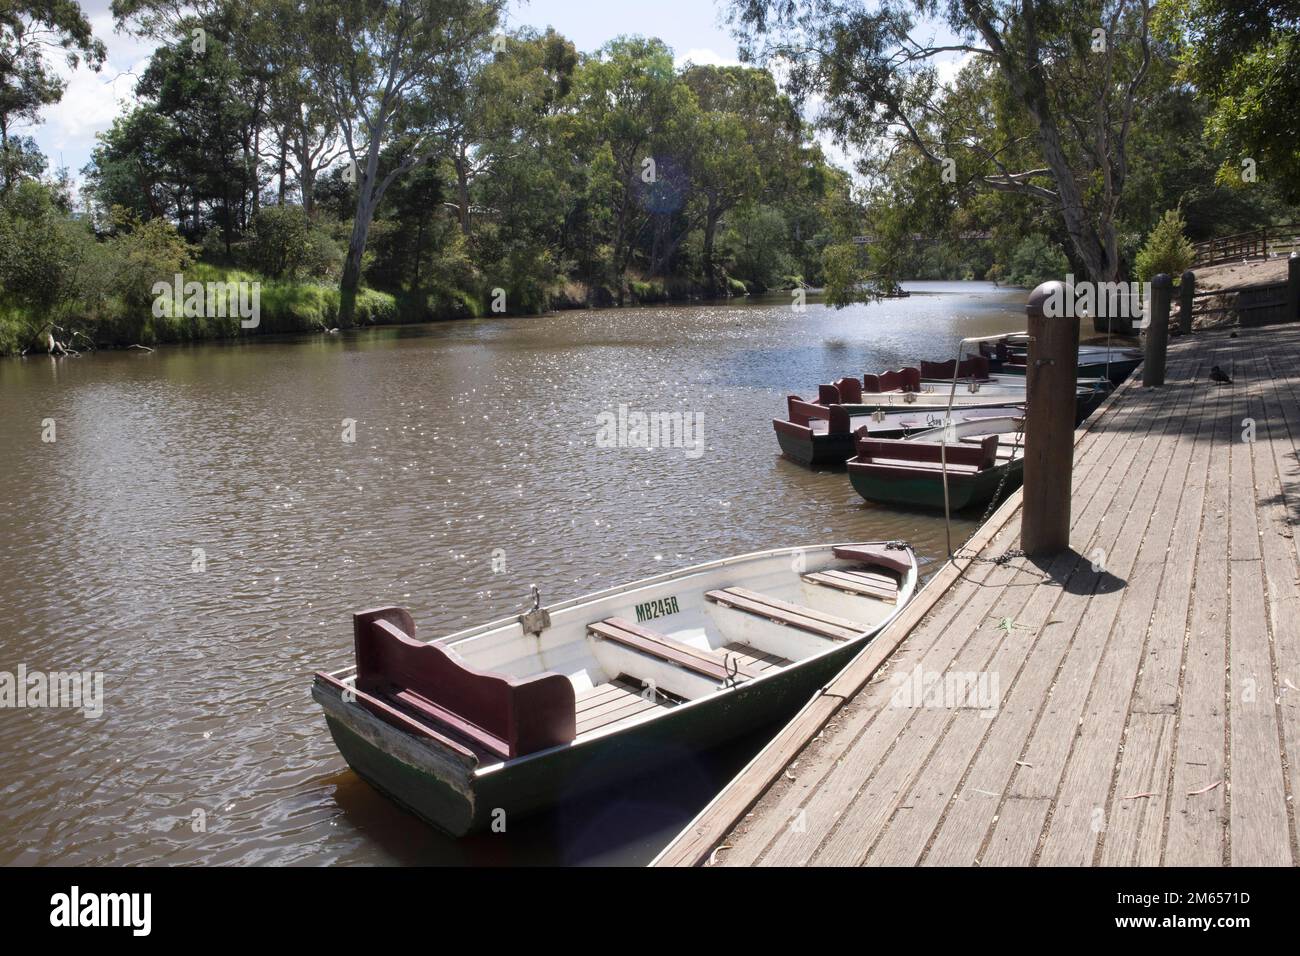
(1051, 381)
(1153, 363)
(1186, 301)
(1293, 286)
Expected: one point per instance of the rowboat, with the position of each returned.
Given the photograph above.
(522, 713)
(821, 436)
(821, 433)
(979, 456)
(1095, 361)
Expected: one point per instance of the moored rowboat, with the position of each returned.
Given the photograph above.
(826, 436)
(504, 719)
(982, 457)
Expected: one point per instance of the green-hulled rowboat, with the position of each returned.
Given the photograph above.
(982, 458)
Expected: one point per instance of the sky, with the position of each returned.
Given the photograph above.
(692, 28)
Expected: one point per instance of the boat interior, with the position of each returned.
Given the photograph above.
(592, 666)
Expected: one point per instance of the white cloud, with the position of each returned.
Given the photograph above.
(704, 57)
(91, 101)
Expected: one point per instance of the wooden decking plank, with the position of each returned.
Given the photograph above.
(929, 732)
(960, 837)
(1015, 833)
(1197, 817)
(1139, 802)
(1077, 744)
(1260, 833)
(1278, 488)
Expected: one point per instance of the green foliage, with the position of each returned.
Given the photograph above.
(1035, 260)
(29, 31)
(46, 262)
(1244, 55)
(1167, 249)
(286, 244)
(755, 242)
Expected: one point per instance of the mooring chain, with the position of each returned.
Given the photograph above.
(1013, 553)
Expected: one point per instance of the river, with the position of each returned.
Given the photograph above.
(199, 530)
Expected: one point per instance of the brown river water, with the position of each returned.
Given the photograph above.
(477, 469)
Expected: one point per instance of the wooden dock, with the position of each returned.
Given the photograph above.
(1135, 700)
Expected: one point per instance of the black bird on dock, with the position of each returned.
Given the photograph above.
(1220, 376)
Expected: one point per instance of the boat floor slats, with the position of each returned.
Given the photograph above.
(753, 657)
(856, 582)
(620, 700)
(792, 615)
(633, 636)
(601, 694)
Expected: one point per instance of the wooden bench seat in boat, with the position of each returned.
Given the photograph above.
(403, 681)
(705, 663)
(791, 615)
(971, 455)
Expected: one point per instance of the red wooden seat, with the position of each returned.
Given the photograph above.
(493, 713)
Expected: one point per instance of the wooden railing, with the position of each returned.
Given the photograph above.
(1256, 244)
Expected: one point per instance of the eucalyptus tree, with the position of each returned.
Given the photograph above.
(626, 97)
(1076, 71)
(391, 72)
(305, 139)
(750, 138)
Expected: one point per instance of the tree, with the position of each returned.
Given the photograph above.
(388, 71)
(1244, 55)
(1167, 249)
(29, 29)
(1075, 72)
(749, 140)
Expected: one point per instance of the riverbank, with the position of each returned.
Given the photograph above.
(299, 307)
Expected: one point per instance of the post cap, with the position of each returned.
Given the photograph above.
(1048, 290)
(1162, 280)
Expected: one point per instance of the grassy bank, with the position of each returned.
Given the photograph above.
(287, 307)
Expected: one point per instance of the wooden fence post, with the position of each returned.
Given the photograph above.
(1050, 381)
(1153, 364)
(1293, 285)
(1186, 301)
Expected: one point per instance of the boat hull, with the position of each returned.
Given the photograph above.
(926, 491)
(459, 801)
(1117, 373)
(813, 449)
